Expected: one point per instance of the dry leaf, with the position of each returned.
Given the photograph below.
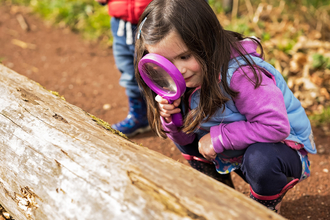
(23, 44)
(325, 93)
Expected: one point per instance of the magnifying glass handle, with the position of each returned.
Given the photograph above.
(177, 119)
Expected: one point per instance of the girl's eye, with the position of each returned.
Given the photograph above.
(185, 57)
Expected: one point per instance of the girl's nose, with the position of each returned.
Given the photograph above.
(182, 69)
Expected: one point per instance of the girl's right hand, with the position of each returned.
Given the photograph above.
(166, 109)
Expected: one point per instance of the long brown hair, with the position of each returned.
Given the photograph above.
(212, 46)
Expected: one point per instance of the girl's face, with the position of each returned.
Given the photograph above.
(175, 50)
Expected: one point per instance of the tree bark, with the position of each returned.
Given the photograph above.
(59, 162)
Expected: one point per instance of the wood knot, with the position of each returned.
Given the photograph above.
(60, 118)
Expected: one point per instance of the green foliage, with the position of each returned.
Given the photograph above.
(87, 16)
(309, 3)
(321, 119)
(84, 16)
(320, 61)
(17, 2)
(242, 27)
(286, 46)
(97, 25)
(218, 6)
(265, 36)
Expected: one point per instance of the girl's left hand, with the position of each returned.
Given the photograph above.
(165, 109)
(205, 147)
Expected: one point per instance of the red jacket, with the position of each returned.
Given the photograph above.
(128, 10)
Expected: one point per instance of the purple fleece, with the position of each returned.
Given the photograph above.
(178, 137)
(264, 109)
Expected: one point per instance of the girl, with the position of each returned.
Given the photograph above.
(239, 114)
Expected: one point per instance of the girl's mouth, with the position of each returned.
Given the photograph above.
(188, 78)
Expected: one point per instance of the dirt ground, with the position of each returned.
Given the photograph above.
(85, 74)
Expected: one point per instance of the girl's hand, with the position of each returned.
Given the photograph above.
(166, 109)
(205, 147)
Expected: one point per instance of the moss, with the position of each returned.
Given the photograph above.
(53, 92)
(106, 126)
(57, 94)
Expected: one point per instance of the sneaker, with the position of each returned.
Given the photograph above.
(136, 121)
(209, 169)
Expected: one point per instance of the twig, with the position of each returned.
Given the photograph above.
(281, 7)
(249, 8)
(234, 10)
(258, 12)
(22, 22)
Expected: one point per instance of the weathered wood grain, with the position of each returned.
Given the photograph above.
(59, 162)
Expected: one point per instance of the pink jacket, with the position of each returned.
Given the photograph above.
(264, 109)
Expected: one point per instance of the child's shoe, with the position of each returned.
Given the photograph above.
(208, 168)
(136, 121)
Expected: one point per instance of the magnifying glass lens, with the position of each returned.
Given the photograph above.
(160, 78)
(164, 79)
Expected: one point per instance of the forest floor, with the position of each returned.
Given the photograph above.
(85, 74)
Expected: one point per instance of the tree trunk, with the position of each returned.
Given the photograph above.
(59, 162)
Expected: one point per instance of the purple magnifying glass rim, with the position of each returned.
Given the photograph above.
(170, 69)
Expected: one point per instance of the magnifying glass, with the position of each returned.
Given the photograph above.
(164, 79)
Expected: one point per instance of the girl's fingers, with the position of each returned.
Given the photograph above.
(161, 100)
(165, 109)
(177, 102)
(165, 115)
(169, 112)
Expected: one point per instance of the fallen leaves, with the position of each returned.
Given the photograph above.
(23, 44)
(296, 47)
(310, 82)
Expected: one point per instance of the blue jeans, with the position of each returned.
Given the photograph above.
(124, 59)
(265, 166)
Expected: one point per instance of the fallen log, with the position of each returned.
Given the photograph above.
(59, 162)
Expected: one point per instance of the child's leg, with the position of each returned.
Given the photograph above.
(136, 120)
(271, 170)
(198, 162)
